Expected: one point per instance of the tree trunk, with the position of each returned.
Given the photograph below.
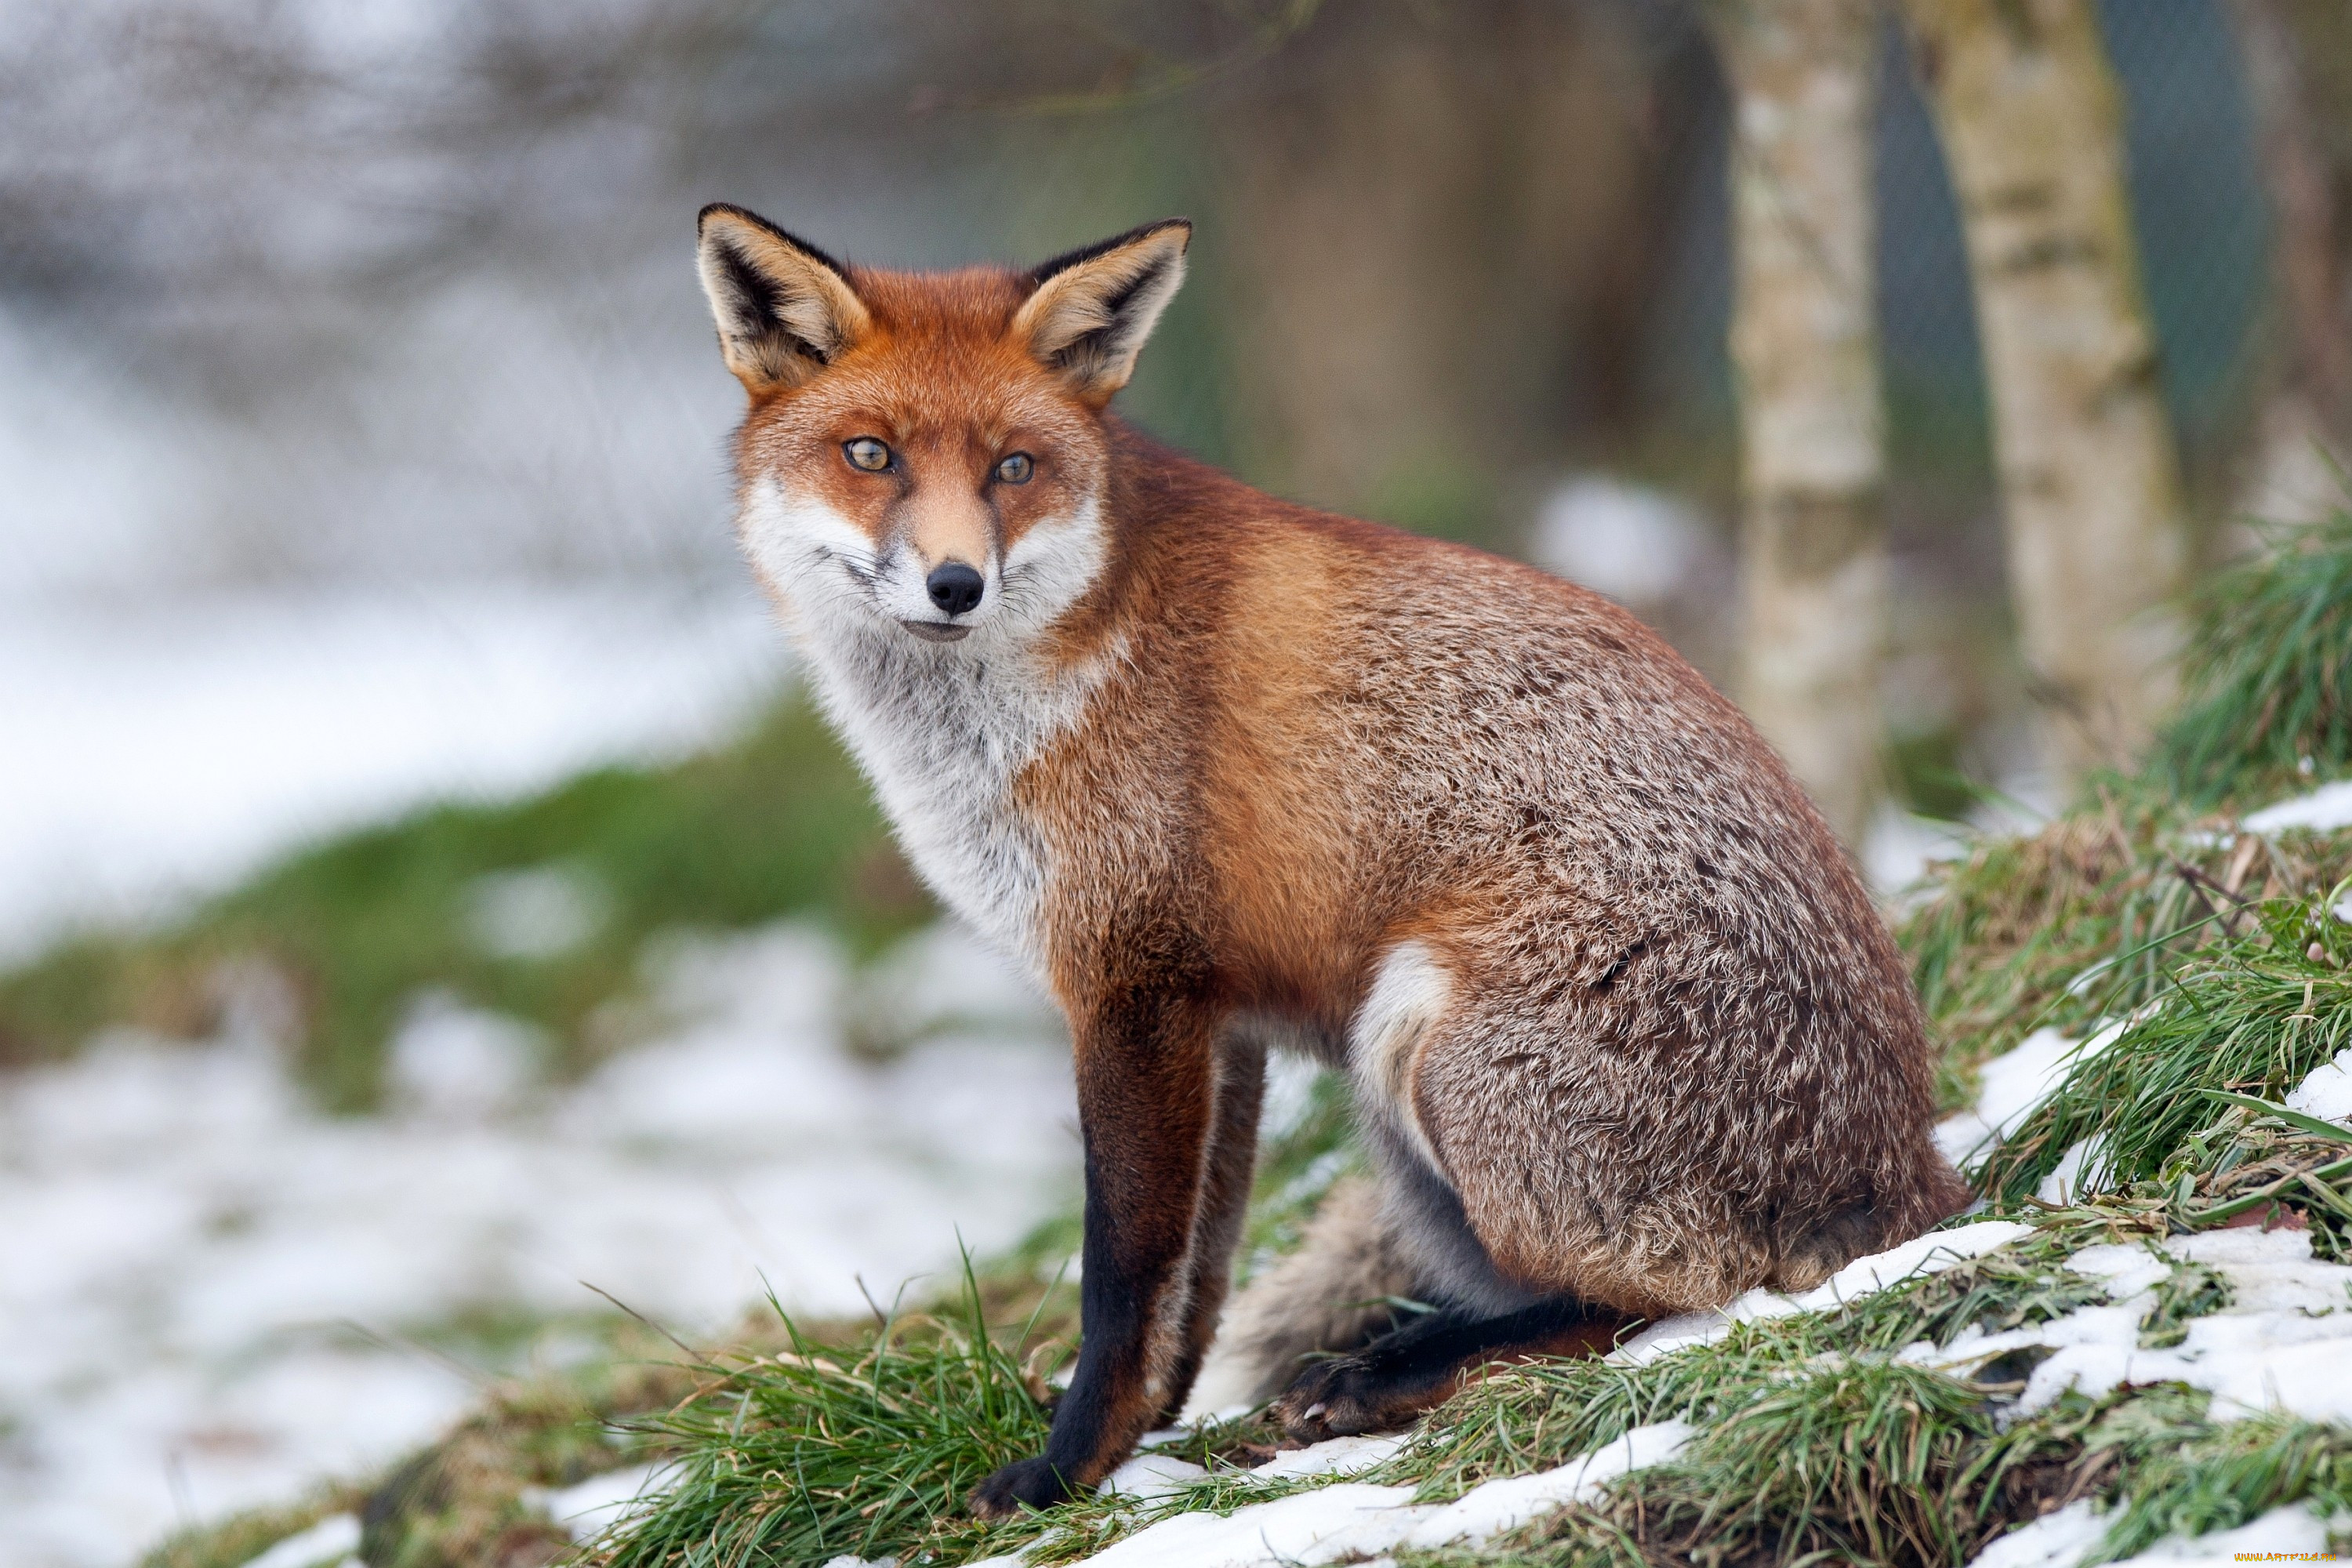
(2302, 440)
(1414, 215)
(2090, 482)
(1804, 345)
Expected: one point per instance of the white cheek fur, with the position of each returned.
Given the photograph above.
(942, 729)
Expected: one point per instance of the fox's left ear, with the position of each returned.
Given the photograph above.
(1094, 308)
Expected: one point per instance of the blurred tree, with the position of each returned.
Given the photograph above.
(1414, 257)
(1804, 344)
(2031, 123)
(2296, 55)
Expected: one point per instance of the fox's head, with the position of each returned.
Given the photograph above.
(924, 456)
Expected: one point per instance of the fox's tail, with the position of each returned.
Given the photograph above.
(1332, 1294)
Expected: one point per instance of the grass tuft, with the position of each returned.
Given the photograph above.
(2187, 1476)
(817, 1450)
(2268, 673)
(2252, 1014)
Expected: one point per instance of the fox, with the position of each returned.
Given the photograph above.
(1625, 1033)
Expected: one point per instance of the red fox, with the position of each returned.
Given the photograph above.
(1625, 1033)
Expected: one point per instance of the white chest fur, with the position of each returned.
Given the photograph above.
(943, 730)
(943, 735)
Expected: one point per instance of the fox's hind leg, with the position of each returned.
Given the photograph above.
(1334, 1294)
(1400, 1375)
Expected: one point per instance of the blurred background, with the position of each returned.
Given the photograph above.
(420, 890)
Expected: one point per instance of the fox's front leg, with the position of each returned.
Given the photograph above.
(1147, 1106)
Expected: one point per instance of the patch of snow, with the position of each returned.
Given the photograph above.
(1929, 1254)
(1485, 1512)
(1637, 545)
(2125, 1269)
(539, 911)
(453, 1061)
(849, 1560)
(1334, 1456)
(1961, 1136)
(2064, 1539)
(2078, 1172)
(2325, 810)
(2059, 1539)
(2015, 1083)
(940, 980)
(1901, 845)
(2285, 1342)
(2290, 1529)
(1332, 1524)
(333, 1540)
(1150, 1475)
(1290, 1081)
(587, 1509)
(156, 752)
(2326, 1092)
(213, 1293)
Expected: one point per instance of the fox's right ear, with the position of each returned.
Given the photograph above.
(786, 309)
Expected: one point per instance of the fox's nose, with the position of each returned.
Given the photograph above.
(954, 587)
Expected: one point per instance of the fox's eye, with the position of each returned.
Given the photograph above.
(1014, 470)
(866, 453)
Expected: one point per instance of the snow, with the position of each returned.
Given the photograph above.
(333, 1540)
(1929, 1254)
(216, 1296)
(1148, 1476)
(1639, 546)
(1489, 1510)
(157, 752)
(2062, 1539)
(1349, 1520)
(2012, 1086)
(2290, 1529)
(2285, 1342)
(1900, 846)
(589, 1507)
(1334, 1456)
(1331, 1524)
(2326, 1092)
(2058, 1539)
(2325, 810)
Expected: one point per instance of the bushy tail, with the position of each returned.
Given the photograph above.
(1329, 1295)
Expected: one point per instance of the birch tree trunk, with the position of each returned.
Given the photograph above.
(1804, 347)
(2031, 127)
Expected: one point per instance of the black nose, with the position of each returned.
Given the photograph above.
(954, 586)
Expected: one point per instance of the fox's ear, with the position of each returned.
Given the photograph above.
(786, 309)
(1094, 308)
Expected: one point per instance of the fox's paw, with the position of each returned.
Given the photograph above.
(1375, 1392)
(1025, 1483)
(1342, 1397)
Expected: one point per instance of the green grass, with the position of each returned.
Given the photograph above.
(776, 824)
(813, 1451)
(2189, 1475)
(2252, 1014)
(2268, 675)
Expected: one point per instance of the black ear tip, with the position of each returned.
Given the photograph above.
(729, 210)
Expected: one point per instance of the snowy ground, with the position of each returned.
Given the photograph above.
(211, 1296)
(2284, 1341)
(155, 748)
(215, 1297)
